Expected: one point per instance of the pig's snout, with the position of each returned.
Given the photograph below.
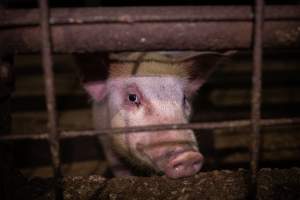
(175, 162)
(183, 164)
(173, 153)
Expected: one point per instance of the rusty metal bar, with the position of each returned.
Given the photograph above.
(53, 135)
(25, 17)
(151, 29)
(196, 126)
(7, 86)
(256, 91)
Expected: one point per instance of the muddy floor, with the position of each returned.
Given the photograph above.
(225, 184)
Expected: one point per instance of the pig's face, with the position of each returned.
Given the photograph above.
(138, 101)
(151, 89)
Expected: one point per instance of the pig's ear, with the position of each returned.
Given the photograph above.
(201, 66)
(93, 73)
(96, 89)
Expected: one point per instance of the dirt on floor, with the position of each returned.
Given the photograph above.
(225, 184)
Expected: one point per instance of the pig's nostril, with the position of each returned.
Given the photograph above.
(185, 164)
(197, 165)
(178, 167)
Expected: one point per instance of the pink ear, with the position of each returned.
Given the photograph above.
(96, 89)
(193, 86)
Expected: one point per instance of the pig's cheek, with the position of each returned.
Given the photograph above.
(118, 120)
(128, 141)
(119, 139)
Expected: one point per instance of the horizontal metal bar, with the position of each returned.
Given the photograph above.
(139, 28)
(25, 17)
(194, 126)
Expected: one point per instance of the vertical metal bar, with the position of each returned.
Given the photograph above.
(7, 86)
(50, 93)
(256, 90)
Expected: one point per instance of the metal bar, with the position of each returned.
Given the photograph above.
(136, 35)
(26, 17)
(7, 86)
(196, 126)
(256, 90)
(53, 136)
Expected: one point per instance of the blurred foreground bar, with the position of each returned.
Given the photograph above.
(149, 28)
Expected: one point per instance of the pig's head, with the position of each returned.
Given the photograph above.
(151, 89)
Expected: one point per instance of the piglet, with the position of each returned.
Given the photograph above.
(150, 88)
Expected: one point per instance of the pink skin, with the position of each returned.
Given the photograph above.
(152, 100)
(176, 161)
(157, 100)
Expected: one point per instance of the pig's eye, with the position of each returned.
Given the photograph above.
(133, 98)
